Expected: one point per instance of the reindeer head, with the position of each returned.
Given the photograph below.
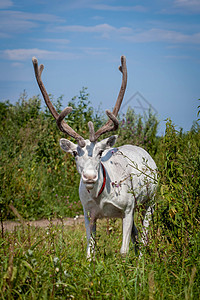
(87, 153)
(88, 158)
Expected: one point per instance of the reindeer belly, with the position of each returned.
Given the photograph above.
(104, 209)
(111, 211)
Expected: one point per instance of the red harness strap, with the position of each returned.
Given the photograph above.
(104, 180)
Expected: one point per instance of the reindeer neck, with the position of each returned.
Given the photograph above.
(100, 184)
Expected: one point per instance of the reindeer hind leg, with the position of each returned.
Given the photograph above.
(146, 221)
(134, 238)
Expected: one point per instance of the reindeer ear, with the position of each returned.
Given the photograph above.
(107, 143)
(68, 146)
(111, 140)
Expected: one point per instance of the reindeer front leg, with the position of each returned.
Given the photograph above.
(90, 225)
(127, 229)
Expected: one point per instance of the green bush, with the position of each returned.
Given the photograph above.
(139, 130)
(37, 177)
(178, 160)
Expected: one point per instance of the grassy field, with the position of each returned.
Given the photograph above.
(50, 263)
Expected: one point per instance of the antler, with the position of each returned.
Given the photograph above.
(62, 125)
(112, 124)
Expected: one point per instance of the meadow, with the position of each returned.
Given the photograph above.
(50, 264)
(41, 181)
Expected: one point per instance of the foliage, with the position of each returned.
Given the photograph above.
(82, 114)
(50, 263)
(139, 131)
(179, 165)
(37, 176)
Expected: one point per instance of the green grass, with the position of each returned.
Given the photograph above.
(51, 263)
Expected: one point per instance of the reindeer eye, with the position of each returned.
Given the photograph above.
(75, 153)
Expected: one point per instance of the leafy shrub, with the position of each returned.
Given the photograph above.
(36, 174)
(178, 160)
(140, 131)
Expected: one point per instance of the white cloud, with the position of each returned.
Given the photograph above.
(5, 4)
(97, 18)
(188, 5)
(3, 35)
(75, 4)
(94, 51)
(187, 2)
(12, 23)
(180, 57)
(17, 65)
(19, 15)
(27, 54)
(55, 41)
(161, 35)
(17, 21)
(137, 36)
(137, 8)
(18, 56)
(99, 5)
(104, 29)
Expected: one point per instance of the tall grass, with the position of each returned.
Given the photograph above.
(50, 264)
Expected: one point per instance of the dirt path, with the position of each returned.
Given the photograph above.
(11, 225)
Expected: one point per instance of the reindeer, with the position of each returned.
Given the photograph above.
(113, 180)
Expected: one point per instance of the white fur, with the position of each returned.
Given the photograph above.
(128, 168)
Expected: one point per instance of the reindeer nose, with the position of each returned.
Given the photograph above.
(89, 176)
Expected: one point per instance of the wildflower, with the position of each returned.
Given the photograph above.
(115, 184)
(57, 269)
(34, 261)
(55, 260)
(30, 252)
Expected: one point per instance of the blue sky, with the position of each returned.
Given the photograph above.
(80, 43)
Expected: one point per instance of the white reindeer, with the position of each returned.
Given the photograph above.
(113, 180)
